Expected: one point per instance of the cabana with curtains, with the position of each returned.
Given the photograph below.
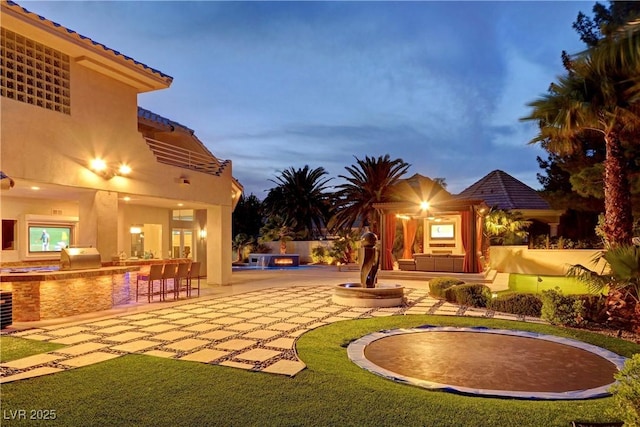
(450, 237)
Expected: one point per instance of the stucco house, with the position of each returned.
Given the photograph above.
(91, 167)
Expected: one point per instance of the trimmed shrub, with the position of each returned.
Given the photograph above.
(438, 285)
(470, 294)
(626, 393)
(516, 303)
(559, 309)
(320, 255)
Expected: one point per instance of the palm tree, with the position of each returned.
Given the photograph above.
(502, 226)
(300, 195)
(599, 95)
(277, 228)
(368, 183)
(239, 243)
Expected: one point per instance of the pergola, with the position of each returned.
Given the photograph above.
(420, 198)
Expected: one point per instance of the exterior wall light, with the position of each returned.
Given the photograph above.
(124, 169)
(100, 167)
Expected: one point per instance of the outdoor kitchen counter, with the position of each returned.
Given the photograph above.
(19, 275)
(42, 295)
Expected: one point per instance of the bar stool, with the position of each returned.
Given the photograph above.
(155, 274)
(194, 273)
(169, 272)
(182, 273)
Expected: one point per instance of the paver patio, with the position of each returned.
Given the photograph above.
(256, 330)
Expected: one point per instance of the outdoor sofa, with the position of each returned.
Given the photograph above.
(449, 263)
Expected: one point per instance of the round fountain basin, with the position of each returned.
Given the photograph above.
(354, 295)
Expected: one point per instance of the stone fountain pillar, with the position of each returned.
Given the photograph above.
(369, 268)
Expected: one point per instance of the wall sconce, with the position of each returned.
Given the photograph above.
(100, 167)
(203, 234)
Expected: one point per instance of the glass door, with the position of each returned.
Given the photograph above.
(182, 243)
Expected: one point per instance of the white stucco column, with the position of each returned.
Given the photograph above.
(553, 229)
(98, 227)
(219, 245)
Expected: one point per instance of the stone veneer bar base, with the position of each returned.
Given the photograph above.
(50, 295)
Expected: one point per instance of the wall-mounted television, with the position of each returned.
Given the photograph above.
(442, 231)
(45, 238)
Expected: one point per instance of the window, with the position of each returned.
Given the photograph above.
(33, 73)
(183, 214)
(9, 234)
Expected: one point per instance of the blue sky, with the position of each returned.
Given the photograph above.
(274, 85)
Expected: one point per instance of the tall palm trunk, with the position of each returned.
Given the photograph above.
(617, 204)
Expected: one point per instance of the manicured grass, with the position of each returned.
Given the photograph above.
(12, 348)
(529, 283)
(150, 391)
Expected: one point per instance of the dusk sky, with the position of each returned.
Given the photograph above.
(274, 85)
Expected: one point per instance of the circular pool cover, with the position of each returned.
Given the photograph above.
(489, 362)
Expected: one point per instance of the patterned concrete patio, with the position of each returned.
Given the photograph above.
(248, 326)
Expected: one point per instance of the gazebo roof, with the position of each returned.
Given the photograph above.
(407, 195)
(501, 190)
(418, 188)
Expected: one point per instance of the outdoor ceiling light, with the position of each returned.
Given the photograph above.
(424, 205)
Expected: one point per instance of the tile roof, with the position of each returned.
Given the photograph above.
(501, 190)
(163, 121)
(86, 40)
(418, 188)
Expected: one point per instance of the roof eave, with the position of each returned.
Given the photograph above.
(83, 50)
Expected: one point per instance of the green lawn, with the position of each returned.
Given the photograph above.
(531, 283)
(150, 391)
(12, 348)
